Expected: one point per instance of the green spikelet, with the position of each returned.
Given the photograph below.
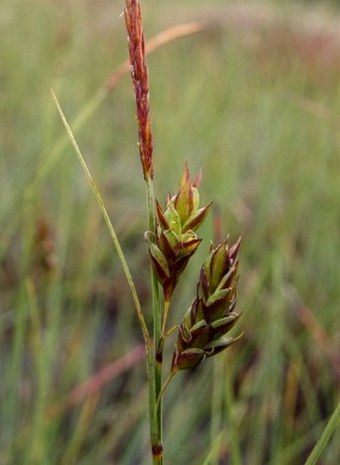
(175, 240)
(211, 316)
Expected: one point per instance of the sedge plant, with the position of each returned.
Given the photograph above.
(172, 240)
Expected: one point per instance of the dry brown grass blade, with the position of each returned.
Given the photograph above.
(320, 336)
(95, 383)
(314, 328)
(314, 108)
(104, 90)
(164, 37)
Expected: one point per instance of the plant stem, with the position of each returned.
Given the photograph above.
(155, 409)
(165, 317)
(325, 437)
(164, 334)
(216, 407)
(165, 385)
(235, 452)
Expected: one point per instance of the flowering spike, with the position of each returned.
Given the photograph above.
(174, 236)
(211, 315)
(139, 75)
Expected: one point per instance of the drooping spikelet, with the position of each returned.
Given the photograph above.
(203, 330)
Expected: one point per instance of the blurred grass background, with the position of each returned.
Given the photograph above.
(255, 101)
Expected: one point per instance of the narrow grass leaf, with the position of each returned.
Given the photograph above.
(108, 223)
(325, 437)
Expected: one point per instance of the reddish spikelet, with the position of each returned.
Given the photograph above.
(139, 74)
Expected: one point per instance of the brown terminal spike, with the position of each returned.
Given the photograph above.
(139, 74)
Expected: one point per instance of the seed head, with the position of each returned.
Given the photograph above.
(175, 240)
(139, 75)
(203, 330)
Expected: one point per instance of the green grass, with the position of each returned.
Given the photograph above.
(270, 164)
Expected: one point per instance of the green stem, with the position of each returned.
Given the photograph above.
(234, 437)
(159, 356)
(165, 385)
(165, 317)
(216, 406)
(155, 409)
(331, 426)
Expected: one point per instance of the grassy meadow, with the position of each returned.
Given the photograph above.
(254, 100)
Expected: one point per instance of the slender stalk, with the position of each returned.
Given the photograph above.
(325, 437)
(215, 447)
(216, 406)
(139, 75)
(165, 385)
(163, 333)
(157, 316)
(161, 336)
(154, 417)
(155, 408)
(235, 451)
(165, 317)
